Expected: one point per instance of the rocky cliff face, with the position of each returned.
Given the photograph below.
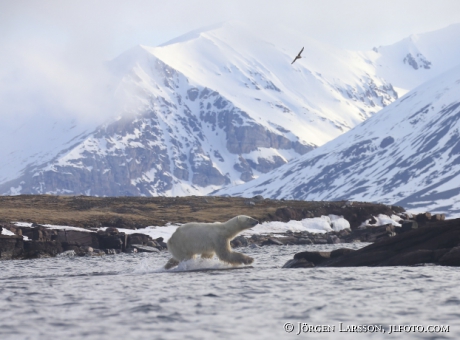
(183, 139)
(407, 155)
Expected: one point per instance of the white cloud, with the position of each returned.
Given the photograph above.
(53, 51)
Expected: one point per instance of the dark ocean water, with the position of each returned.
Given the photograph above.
(129, 297)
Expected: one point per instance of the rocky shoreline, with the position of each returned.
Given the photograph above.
(39, 241)
(434, 243)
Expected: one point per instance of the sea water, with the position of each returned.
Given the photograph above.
(130, 296)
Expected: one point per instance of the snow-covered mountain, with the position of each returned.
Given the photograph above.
(407, 154)
(220, 106)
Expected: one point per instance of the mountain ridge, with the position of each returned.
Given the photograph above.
(404, 155)
(206, 110)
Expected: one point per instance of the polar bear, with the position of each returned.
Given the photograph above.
(207, 239)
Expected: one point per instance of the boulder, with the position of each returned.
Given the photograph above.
(239, 241)
(304, 240)
(286, 214)
(407, 225)
(144, 249)
(77, 238)
(11, 247)
(111, 231)
(272, 241)
(315, 257)
(340, 252)
(298, 263)
(333, 239)
(438, 217)
(452, 258)
(39, 249)
(138, 238)
(111, 241)
(423, 218)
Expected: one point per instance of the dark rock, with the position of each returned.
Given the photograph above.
(39, 249)
(452, 258)
(423, 218)
(144, 249)
(407, 225)
(437, 242)
(298, 263)
(332, 239)
(153, 244)
(438, 217)
(289, 240)
(112, 231)
(412, 258)
(110, 242)
(138, 238)
(344, 232)
(286, 214)
(235, 243)
(11, 247)
(272, 241)
(340, 252)
(239, 241)
(303, 240)
(77, 238)
(315, 257)
(371, 234)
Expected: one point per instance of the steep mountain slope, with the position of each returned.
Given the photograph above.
(418, 58)
(218, 106)
(407, 154)
(230, 108)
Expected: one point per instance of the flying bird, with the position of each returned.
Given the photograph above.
(298, 56)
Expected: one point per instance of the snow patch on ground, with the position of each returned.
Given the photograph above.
(7, 232)
(320, 225)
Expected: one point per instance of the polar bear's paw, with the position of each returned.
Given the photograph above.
(248, 260)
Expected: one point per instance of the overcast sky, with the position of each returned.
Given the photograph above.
(49, 50)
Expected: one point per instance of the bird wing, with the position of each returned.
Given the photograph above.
(298, 56)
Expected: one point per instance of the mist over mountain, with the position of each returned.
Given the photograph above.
(219, 107)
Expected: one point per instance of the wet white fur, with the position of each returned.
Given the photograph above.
(207, 239)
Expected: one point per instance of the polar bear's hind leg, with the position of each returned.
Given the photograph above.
(207, 255)
(171, 263)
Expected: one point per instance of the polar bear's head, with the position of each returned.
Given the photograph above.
(246, 222)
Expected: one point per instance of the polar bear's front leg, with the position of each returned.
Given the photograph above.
(235, 258)
(225, 254)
